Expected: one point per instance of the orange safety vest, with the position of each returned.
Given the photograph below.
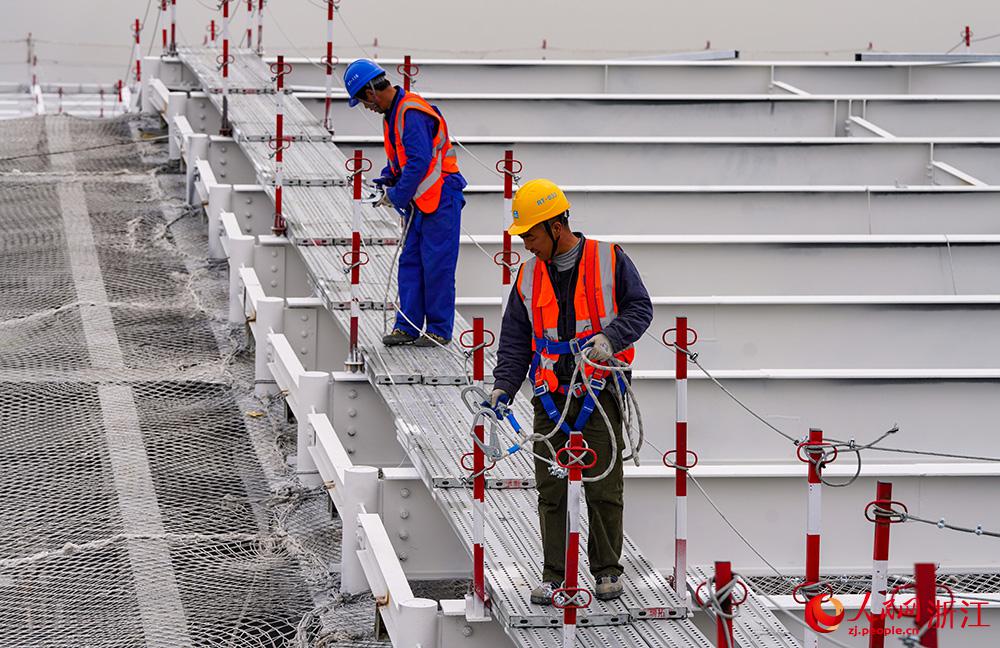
(594, 304)
(443, 159)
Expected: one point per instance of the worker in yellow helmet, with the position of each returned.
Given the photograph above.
(574, 293)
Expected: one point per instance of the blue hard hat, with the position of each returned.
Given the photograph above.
(357, 76)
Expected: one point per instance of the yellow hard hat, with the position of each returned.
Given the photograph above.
(536, 201)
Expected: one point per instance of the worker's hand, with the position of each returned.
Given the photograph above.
(599, 349)
(498, 402)
(385, 181)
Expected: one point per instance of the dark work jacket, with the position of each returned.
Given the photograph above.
(635, 313)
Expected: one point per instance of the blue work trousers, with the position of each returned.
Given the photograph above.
(427, 268)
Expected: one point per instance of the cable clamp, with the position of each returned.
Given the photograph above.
(363, 259)
(572, 598)
(515, 168)
(828, 453)
(279, 70)
(355, 165)
(885, 511)
(576, 457)
(673, 464)
(279, 145)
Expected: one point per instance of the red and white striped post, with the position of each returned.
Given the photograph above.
(137, 56)
(224, 128)
(724, 626)
(249, 24)
(814, 512)
(508, 197)
(329, 65)
(574, 493)
(407, 68)
(680, 477)
(173, 27)
(880, 567)
(163, 11)
(211, 31)
(101, 93)
(967, 37)
(354, 356)
(926, 612)
(61, 98)
(279, 137)
(479, 481)
(34, 71)
(260, 28)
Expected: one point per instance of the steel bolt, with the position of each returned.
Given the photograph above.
(403, 556)
(304, 318)
(274, 254)
(404, 514)
(274, 268)
(404, 534)
(305, 334)
(467, 631)
(351, 431)
(404, 492)
(274, 284)
(249, 201)
(350, 451)
(304, 351)
(223, 148)
(352, 412)
(352, 394)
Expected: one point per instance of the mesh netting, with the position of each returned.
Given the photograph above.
(147, 502)
(979, 583)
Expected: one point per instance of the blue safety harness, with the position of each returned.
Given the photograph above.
(571, 347)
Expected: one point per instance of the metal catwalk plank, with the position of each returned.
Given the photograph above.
(252, 118)
(247, 73)
(432, 423)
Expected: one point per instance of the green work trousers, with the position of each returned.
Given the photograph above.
(605, 498)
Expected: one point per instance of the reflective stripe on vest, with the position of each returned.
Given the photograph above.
(594, 290)
(443, 157)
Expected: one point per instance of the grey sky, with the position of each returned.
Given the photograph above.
(88, 40)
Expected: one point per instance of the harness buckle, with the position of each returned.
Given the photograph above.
(597, 384)
(541, 390)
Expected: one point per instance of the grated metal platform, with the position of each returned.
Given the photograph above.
(432, 422)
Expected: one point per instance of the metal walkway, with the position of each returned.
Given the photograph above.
(432, 422)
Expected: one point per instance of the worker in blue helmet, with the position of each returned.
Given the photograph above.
(423, 182)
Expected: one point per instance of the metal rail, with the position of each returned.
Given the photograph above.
(432, 423)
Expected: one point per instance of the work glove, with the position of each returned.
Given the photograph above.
(385, 181)
(499, 401)
(599, 349)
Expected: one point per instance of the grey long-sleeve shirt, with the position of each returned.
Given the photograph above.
(635, 313)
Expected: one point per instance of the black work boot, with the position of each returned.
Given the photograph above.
(431, 340)
(397, 338)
